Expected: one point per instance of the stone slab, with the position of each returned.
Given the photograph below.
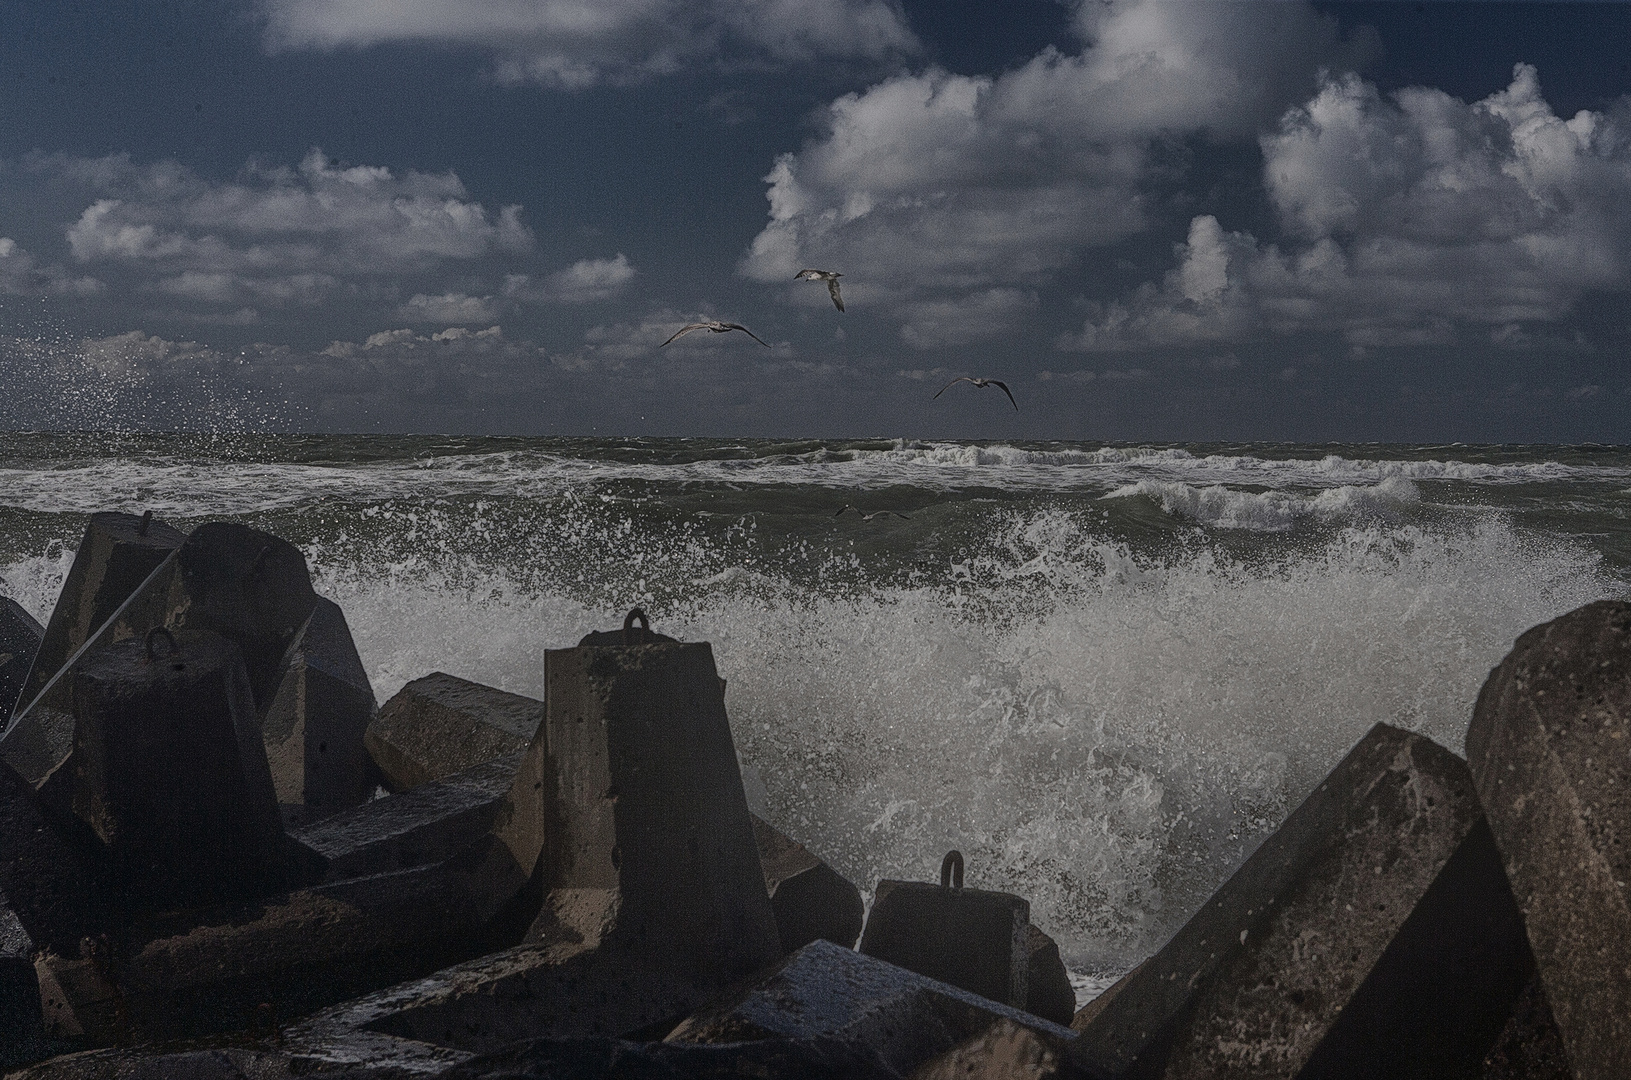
(426, 824)
(825, 991)
(313, 728)
(1263, 974)
(116, 554)
(809, 898)
(442, 724)
(20, 636)
(1550, 748)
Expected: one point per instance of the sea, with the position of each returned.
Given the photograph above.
(1104, 673)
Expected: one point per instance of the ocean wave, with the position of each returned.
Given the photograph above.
(1274, 511)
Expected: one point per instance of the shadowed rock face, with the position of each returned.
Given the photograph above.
(20, 637)
(1267, 971)
(809, 898)
(1550, 748)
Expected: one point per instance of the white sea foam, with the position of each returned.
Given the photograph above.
(1275, 511)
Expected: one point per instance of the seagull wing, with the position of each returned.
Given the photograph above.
(745, 330)
(686, 330)
(806, 275)
(841, 510)
(832, 287)
(951, 384)
(1004, 388)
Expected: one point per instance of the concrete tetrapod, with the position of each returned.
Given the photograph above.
(116, 555)
(313, 727)
(1309, 961)
(1550, 748)
(442, 724)
(628, 812)
(971, 938)
(20, 636)
(809, 898)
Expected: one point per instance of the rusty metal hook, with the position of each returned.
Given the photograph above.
(629, 637)
(951, 871)
(152, 635)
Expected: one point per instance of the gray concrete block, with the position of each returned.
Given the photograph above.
(22, 1028)
(809, 898)
(1048, 992)
(1550, 748)
(20, 637)
(441, 724)
(427, 824)
(314, 725)
(975, 939)
(824, 991)
(623, 1059)
(1004, 1051)
(51, 888)
(116, 555)
(170, 775)
(1316, 921)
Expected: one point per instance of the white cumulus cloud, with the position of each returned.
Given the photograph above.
(1417, 220)
(585, 281)
(577, 43)
(452, 307)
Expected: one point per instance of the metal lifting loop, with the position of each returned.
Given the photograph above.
(629, 635)
(156, 632)
(951, 871)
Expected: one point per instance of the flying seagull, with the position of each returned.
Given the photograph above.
(868, 517)
(718, 328)
(982, 383)
(830, 277)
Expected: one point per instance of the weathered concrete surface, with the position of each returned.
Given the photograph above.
(1550, 748)
(1254, 983)
(51, 889)
(1048, 992)
(169, 773)
(20, 636)
(313, 728)
(427, 824)
(971, 938)
(1003, 1051)
(621, 1059)
(225, 580)
(441, 724)
(1089, 1012)
(116, 555)
(22, 1030)
(809, 898)
(301, 951)
(824, 991)
(1529, 1047)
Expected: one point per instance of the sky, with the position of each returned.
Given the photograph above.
(1153, 220)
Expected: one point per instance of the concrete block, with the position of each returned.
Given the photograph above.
(628, 814)
(116, 555)
(22, 1029)
(313, 728)
(169, 773)
(809, 898)
(824, 991)
(1378, 893)
(1003, 1051)
(971, 938)
(20, 636)
(427, 824)
(622, 1059)
(51, 889)
(1529, 1047)
(1550, 748)
(1048, 992)
(441, 724)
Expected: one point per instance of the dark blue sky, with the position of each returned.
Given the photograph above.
(1335, 221)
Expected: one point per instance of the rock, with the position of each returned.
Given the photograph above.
(621, 1059)
(441, 724)
(1048, 992)
(627, 812)
(117, 554)
(831, 993)
(809, 898)
(20, 635)
(225, 580)
(169, 773)
(426, 824)
(971, 938)
(1550, 749)
(146, 1063)
(1377, 894)
(1003, 1051)
(313, 729)
(167, 977)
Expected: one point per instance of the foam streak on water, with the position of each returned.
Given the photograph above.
(1104, 702)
